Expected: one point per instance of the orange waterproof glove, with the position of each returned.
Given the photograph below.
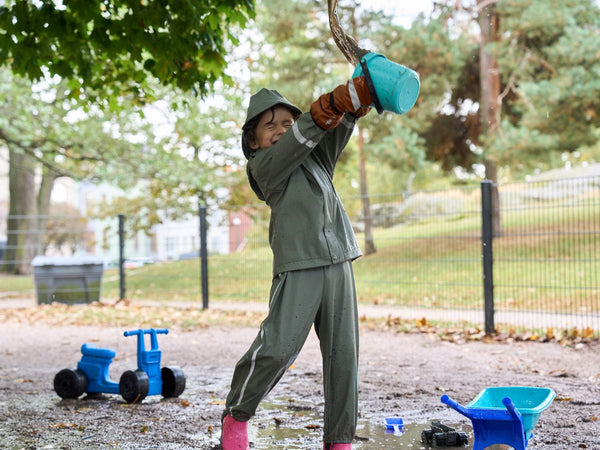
(352, 97)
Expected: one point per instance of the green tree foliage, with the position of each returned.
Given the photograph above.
(42, 122)
(111, 47)
(550, 62)
(436, 128)
(46, 133)
(69, 60)
(293, 51)
(178, 168)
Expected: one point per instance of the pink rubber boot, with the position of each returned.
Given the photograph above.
(234, 435)
(337, 447)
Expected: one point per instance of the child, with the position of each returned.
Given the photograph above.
(291, 160)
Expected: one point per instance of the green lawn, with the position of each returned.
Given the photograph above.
(546, 262)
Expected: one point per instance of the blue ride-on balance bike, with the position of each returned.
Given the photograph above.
(91, 374)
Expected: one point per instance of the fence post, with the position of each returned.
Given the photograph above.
(488, 254)
(121, 257)
(203, 255)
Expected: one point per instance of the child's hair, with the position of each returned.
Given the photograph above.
(249, 128)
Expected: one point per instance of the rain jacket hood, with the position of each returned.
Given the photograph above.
(259, 103)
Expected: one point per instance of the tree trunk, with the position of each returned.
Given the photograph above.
(364, 195)
(21, 228)
(488, 71)
(43, 207)
(489, 104)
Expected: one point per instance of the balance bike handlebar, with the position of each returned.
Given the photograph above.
(147, 331)
(140, 334)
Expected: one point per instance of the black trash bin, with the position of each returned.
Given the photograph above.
(75, 279)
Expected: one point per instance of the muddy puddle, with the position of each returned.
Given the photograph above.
(296, 426)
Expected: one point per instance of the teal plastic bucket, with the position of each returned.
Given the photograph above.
(397, 87)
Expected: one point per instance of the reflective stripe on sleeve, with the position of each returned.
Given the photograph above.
(300, 138)
(353, 95)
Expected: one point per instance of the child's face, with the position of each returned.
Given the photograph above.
(272, 124)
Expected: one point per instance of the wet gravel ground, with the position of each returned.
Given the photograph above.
(401, 375)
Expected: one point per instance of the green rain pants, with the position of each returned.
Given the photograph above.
(324, 296)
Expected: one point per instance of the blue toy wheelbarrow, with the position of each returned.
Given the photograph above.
(504, 415)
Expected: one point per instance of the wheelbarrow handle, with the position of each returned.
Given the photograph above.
(510, 406)
(454, 405)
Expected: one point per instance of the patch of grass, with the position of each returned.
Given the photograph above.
(546, 262)
(14, 285)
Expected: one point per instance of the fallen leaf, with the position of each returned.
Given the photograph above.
(588, 419)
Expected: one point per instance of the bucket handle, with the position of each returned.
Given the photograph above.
(371, 86)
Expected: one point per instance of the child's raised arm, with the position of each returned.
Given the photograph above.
(352, 97)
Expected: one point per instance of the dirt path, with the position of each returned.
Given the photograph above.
(400, 375)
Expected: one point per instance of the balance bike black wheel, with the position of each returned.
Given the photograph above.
(70, 383)
(173, 381)
(133, 386)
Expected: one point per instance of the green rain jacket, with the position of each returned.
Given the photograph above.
(309, 226)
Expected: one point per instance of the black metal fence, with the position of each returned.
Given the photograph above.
(159, 264)
(547, 253)
(528, 261)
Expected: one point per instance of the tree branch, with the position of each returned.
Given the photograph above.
(510, 85)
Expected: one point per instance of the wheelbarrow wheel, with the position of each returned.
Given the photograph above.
(173, 381)
(70, 383)
(134, 385)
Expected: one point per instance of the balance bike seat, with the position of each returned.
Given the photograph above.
(97, 352)
(94, 364)
(504, 415)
